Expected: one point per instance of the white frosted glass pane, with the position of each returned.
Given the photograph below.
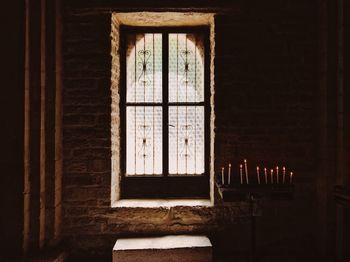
(144, 68)
(186, 140)
(186, 68)
(144, 140)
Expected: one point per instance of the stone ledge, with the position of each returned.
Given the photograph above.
(155, 203)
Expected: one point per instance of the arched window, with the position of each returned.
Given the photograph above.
(164, 111)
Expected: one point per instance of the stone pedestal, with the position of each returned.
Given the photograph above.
(167, 248)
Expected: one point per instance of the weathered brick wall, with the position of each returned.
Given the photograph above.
(265, 106)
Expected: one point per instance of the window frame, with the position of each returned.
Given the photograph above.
(165, 186)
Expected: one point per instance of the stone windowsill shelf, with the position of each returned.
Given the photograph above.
(156, 203)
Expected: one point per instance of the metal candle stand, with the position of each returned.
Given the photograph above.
(252, 193)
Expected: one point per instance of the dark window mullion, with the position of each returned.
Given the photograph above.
(165, 86)
(187, 104)
(207, 109)
(169, 104)
(143, 104)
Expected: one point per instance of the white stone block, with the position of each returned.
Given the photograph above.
(177, 248)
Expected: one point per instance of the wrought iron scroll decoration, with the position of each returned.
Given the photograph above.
(144, 81)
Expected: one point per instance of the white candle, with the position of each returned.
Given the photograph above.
(271, 171)
(265, 173)
(240, 173)
(229, 173)
(246, 170)
(277, 175)
(291, 177)
(284, 174)
(223, 175)
(258, 174)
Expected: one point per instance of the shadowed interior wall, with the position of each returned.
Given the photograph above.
(266, 89)
(12, 129)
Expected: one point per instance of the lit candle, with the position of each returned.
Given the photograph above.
(223, 175)
(284, 174)
(246, 170)
(258, 174)
(291, 177)
(265, 173)
(271, 176)
(277, 175)
(240, 173)
(229, 173)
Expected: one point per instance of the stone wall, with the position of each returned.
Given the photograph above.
(266, 91)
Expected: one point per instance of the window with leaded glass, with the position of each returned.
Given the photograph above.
(165, 112)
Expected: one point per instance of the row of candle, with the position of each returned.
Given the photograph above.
(246, 177)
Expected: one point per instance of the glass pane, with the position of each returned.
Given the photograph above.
(186, 68)
(186, 140)
(144, 67)
(144, 140)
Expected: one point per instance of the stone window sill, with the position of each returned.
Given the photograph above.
(156, 203)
